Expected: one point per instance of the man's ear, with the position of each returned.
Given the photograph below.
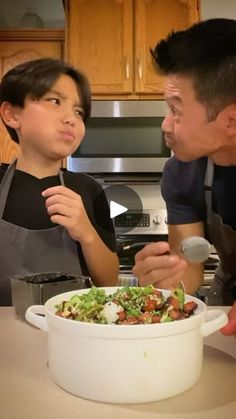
(9, 115)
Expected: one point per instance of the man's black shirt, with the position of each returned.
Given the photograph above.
(183, 191)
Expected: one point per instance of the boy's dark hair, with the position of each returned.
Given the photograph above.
(33, 79)
(206, 52)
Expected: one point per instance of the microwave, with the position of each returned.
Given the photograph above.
(123, 137)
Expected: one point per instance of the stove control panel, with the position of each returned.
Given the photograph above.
(150, 221)
(133, 220)
(157, 220)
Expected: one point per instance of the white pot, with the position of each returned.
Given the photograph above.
(121, 363)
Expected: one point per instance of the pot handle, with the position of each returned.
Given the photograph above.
(36, 316)
(214, 320)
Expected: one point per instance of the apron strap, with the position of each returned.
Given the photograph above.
(5, 186)
(61, 177)
(208, 181)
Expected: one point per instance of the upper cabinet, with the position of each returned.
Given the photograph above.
(99, 40)
(154, 20)
(110, 41)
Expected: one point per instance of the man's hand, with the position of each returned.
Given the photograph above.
(230, 328)
(154, 266)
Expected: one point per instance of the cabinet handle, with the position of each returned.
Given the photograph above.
(127, 69)
(140, 69)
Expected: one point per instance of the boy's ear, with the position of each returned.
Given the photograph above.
(9, 115)
(231, 119)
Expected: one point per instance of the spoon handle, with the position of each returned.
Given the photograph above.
(134, 245)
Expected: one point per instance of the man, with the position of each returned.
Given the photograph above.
(198, 183)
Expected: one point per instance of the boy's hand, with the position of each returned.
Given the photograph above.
(65, 207)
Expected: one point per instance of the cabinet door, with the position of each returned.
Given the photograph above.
(154, 19)
(13, 52)
(99, 41)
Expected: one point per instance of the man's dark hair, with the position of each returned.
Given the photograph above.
(206, 52)
(33, 79)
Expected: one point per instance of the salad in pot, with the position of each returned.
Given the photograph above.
(111, 351)
(127, 306)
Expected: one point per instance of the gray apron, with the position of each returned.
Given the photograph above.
(24, 251)
(223, 237)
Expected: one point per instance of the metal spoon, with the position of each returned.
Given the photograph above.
(196, 249)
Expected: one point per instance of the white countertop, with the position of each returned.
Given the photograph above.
(28, 392)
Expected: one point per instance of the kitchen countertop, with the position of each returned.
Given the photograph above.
(28, 392)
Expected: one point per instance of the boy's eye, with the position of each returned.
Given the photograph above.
(79, 112)
(54, 100)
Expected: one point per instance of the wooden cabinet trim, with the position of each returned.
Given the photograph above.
(32, 34)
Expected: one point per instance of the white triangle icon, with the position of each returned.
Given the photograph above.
(116, 209)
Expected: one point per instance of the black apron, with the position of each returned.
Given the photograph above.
(223, 237)
(24, 251)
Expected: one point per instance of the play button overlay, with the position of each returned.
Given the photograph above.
(116, 209)
(125, 205)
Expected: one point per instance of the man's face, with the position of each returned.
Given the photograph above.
(187, 130)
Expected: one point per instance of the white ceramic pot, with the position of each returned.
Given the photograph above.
(121, 363)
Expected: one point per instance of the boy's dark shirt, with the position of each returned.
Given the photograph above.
(183, 191)
(25, 205)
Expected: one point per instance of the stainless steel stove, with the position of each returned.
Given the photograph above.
(145, 222)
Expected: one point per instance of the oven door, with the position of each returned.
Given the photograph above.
(209, 272)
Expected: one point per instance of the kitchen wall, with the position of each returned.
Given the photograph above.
(218, 8)
(50, 11)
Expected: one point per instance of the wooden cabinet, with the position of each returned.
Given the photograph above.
(99, 40)
(154, 19)
(110, 41)
(18, 46)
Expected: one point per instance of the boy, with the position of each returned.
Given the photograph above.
(50, 219)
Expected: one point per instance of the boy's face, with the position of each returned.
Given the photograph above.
(187, 130)
(52, 127)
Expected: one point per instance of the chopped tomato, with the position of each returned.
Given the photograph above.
(172, 301)
(189, 307)
(122, 316)
(156, 318)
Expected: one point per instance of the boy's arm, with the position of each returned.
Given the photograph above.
(102, 263)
